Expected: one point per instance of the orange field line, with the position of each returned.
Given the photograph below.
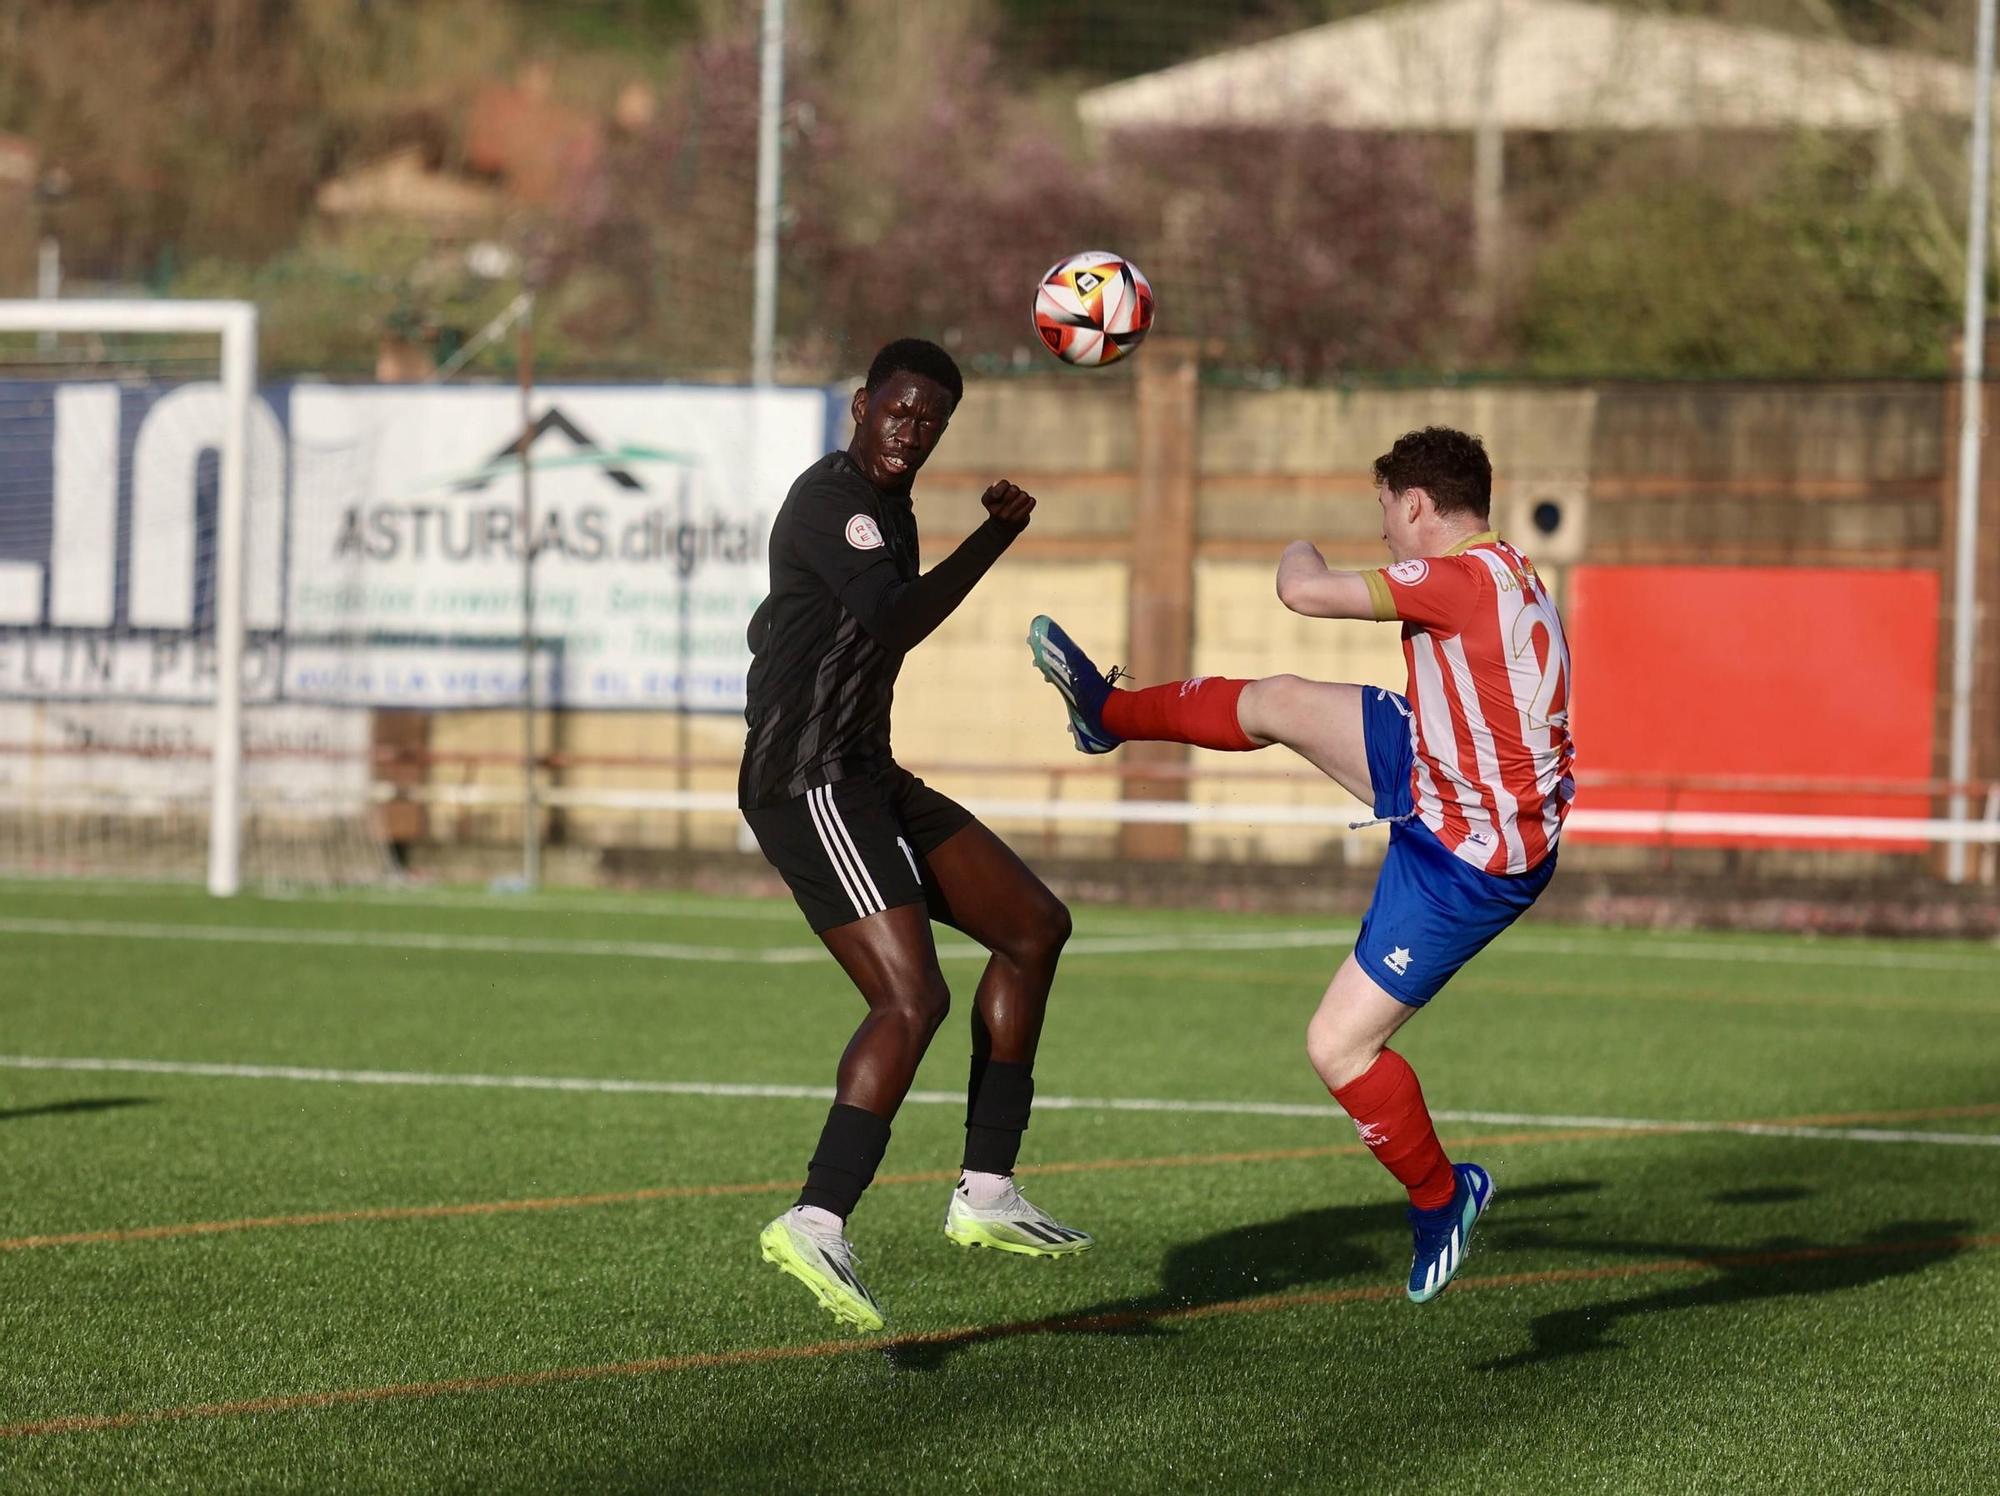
(933, 1176)
(702, 1192)
(83, 1423)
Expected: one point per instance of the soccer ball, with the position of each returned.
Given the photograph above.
(1093, 308)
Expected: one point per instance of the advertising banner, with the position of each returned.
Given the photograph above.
(388, 544)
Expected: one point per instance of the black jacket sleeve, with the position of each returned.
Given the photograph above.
(840, 539)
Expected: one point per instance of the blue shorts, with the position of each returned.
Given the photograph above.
(1432, 912)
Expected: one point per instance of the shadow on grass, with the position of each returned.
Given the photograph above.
(1769, 1194)
(1311, 1250)
(71, 1108)
(1778, 1268)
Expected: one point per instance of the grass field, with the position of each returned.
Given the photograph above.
(351, 1198)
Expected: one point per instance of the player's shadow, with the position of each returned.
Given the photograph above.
(1313, 1249)
(1777, 1268)
(71, 1108)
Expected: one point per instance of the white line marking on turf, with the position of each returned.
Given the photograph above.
(951, 949)
(613, 1086)
(1724, 952)
(657, 906)
(417, 940)
(650, 950)
(663, 906)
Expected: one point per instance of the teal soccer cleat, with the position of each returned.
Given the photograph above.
(1445, 1235)
(1084, 688)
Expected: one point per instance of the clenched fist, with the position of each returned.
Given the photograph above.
(1008, 504)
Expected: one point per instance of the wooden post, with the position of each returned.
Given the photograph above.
(1161, 602)
(401, 742)
(404, 736)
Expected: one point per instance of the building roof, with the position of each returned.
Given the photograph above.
(401, 185)
(1559, 65)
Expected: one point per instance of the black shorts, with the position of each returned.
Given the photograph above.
(855, 848)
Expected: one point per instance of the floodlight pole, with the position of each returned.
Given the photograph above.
(764, 306)
(531, 829)
(1971, 420)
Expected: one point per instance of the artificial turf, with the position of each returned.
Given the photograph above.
(1644, 1309)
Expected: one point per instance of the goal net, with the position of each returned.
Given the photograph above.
(155, 719)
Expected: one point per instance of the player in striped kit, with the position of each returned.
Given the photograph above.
(1470, 768)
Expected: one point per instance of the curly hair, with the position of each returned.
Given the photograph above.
(1448, 465)
(915, 356)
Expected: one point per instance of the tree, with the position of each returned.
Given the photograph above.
(1307, 251)
(1812, 272)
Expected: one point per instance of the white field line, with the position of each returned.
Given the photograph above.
(775, 910)
(617, 1087)
(656, 906)
(414, 940)
(665, 907)
(1526, 943)
(1810, 951)
(652, 950)
(1806, 950)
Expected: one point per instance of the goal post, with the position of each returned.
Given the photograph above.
(234, 325)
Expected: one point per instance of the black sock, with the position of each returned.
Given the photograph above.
(850, 1147)
(997, 1100)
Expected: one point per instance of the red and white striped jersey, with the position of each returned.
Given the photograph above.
(1489, 699)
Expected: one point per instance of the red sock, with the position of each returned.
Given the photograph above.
(1388, 1109)
(1201, 711)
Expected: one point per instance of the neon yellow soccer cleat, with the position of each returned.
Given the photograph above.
(823, 1260)
(1011, 1224)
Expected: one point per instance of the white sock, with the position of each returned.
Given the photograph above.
(817, 1218)
(984, 1189)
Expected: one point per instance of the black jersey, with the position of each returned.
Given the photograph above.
(846, 604)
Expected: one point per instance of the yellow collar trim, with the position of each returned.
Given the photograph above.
(1482, 538)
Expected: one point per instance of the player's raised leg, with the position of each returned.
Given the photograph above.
(1321, 721)
(984, 889)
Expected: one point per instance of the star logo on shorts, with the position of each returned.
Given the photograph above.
(1398, 960)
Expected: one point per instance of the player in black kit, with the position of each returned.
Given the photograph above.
(872, 853)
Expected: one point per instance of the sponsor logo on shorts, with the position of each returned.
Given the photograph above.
(1398, 960)
(864, 534)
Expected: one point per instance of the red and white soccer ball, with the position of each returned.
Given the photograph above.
(1093, 308)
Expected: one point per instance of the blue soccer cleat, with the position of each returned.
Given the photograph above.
(1084, 688)
(1444, 1235)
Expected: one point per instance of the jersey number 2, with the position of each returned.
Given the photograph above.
(1554, 663)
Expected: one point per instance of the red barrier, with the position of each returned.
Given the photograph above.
(1794, 672)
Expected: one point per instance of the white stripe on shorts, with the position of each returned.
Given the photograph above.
(861, 873)
(833, 854)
